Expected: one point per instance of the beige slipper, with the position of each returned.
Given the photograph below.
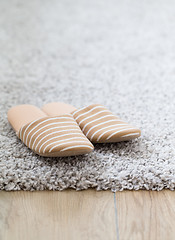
(53, 136)
(97, 123)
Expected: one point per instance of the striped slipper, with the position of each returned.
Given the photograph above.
(97, 123)
(48, 136)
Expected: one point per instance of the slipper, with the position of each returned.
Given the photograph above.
(48, 136)
(97, 123)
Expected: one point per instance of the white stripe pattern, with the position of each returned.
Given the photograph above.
(93, 115)
(53, 143)
(95, 120)
(72, 142)
(116, 125)
(123, 129)
(35, 133)
(49, 134)
(79, 146)
(130, 135)
(60, 136)
(88, 112)
(26, 140)
(39, 124)
(100, 125)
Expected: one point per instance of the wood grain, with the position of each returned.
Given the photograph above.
(146, 215)
(57, 215)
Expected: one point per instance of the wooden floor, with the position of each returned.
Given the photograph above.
(87, 215)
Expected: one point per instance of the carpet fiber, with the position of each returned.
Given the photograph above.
(116, 53)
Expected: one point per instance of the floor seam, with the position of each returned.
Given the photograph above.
(116, 217)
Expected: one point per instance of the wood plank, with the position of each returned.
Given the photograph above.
(57, 215)
(146, 215)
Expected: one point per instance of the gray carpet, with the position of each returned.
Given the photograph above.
(117, 53)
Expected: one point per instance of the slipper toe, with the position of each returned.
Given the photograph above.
(101, 126)
(55, 137)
